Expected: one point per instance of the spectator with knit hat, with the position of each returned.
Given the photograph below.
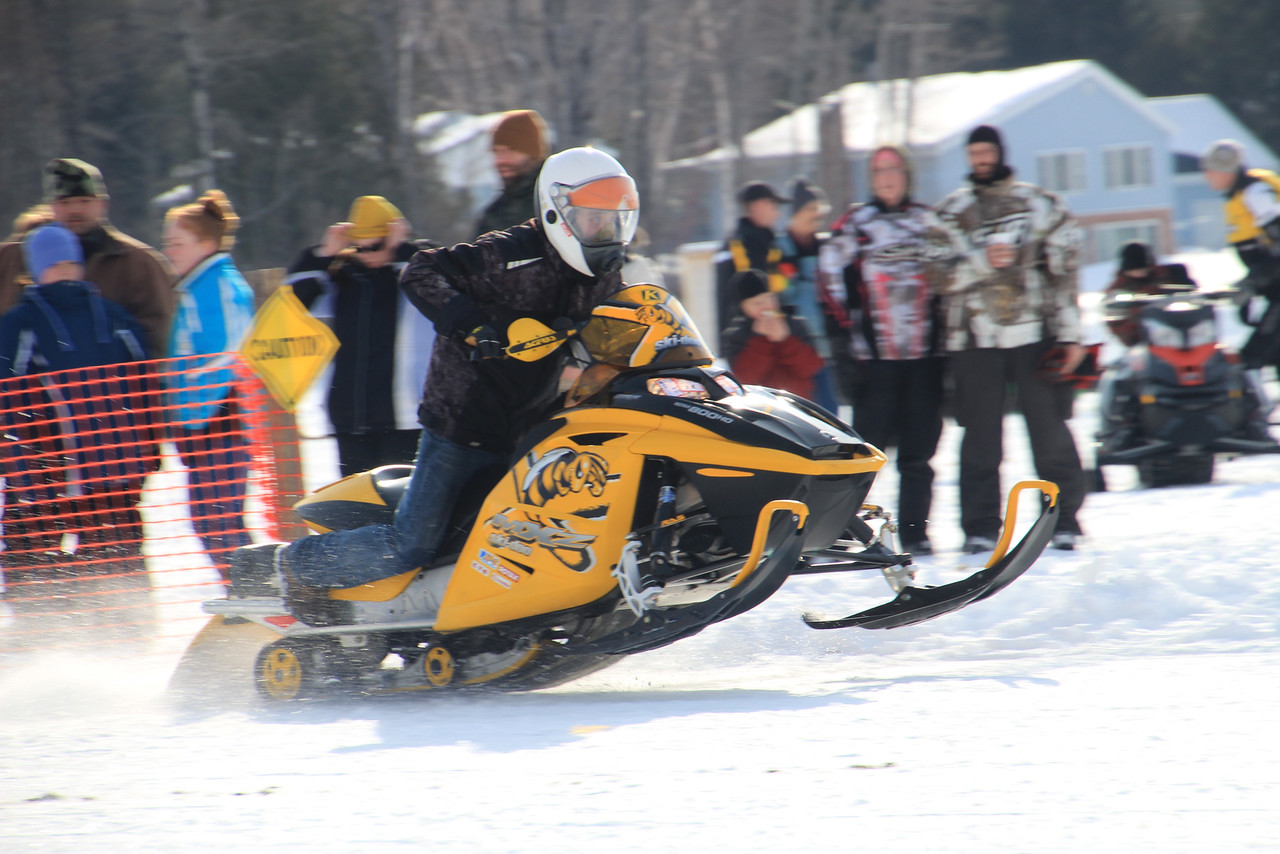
(125, 270)
(800, 242)
(1252, 210)
(520, 144)
(75, 489)
(1010, 300)
(352, 279)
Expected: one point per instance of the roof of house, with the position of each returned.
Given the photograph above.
(941, 106)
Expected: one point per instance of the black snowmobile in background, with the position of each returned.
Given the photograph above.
(1178, 398)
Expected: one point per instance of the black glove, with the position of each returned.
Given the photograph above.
(489, 344)
(1249, 285)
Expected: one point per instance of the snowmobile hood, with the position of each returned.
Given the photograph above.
(749, 415)
(795, 420)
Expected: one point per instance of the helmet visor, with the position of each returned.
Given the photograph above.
(601, 211)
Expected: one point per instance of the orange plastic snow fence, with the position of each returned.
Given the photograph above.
(125, 488)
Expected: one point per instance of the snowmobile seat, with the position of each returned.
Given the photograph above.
(390, 482)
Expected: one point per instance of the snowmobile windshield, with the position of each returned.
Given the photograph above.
(644, 325)
(600, 212)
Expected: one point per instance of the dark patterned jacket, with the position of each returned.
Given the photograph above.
(502, 276)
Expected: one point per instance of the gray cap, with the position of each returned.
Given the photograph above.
(1225, 155)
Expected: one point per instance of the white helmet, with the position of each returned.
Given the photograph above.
(589, 209)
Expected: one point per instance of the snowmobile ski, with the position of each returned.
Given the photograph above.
(917, 604)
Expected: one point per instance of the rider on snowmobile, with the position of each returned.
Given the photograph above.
(555, 268)
(1139, 275)
(1252, 211)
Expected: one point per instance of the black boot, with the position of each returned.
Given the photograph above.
(255, 572)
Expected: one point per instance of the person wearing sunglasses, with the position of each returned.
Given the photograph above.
(350, 279)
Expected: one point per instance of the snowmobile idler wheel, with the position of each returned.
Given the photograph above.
(437, 666)
(284, 670)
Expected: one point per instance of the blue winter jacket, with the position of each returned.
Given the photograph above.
(61, 333)
(214, 311)
(62, 326)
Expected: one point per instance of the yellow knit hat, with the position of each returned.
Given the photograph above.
(370, 216)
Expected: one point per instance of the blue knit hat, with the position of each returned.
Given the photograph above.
(49, 245)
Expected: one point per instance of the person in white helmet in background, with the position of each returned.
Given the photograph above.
(475, 405)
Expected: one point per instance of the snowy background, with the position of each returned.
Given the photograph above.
(1119, 698)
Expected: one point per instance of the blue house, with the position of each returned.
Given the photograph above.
(1071, 127)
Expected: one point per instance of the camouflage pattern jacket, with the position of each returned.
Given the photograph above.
(1031, 300)
(502, 276)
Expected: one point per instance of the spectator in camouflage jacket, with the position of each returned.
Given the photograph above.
(1011, 298)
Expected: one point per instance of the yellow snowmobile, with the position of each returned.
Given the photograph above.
(664, 497)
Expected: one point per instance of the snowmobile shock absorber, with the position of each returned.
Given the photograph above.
(659, 556)
(660, 545)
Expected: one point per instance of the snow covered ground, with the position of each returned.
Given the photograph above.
(1120, 698)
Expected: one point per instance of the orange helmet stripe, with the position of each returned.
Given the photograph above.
(617, 193)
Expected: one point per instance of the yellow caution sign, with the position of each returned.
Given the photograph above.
(287, 346)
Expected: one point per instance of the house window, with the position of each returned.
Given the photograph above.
(1128, 167)
(1108, 239)
(1063, 172)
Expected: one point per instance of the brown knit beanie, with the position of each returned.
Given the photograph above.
(523, 131)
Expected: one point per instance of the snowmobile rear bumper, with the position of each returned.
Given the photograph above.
(917, 604)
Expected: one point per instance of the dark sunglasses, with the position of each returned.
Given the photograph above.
(373, 247)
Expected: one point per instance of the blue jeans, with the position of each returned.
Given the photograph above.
(824, 390)
(217, 459)
(361, 555)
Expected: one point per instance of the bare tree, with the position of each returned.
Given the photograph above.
(296, 106)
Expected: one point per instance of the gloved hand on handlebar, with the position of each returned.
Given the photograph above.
(487, 342)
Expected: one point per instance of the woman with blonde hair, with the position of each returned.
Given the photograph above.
(215, 307)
